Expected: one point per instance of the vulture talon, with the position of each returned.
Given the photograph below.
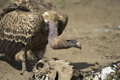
(23, 72)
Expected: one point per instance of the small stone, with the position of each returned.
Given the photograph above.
(107, 30)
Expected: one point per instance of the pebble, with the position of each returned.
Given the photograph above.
(97, 29)
(119, 27)
(107, 30)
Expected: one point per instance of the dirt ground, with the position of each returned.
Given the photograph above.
(95, 24)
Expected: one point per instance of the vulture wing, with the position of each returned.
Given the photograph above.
(16, 29)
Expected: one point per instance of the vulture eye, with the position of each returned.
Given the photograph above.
(71, 41)
(68, 40)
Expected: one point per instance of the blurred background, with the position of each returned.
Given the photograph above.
(95, 24)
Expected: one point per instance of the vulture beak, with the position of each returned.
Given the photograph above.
(73, 43)
(78, 45)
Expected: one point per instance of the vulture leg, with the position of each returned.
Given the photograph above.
(24, 61)
(40, 54)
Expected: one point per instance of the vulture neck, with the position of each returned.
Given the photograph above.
(53, 32)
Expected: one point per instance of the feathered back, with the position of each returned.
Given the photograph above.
(36, 5)
(20, 26)
(39, 6)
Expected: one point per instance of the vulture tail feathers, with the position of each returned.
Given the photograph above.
(1, 44)
(10, 48)
(15, 50)
(4, 45)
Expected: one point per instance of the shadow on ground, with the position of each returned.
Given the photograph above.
(81, 65)
(18, 65)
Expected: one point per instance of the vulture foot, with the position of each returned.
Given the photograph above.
(24, 72)
(24, 68)
(23, 58)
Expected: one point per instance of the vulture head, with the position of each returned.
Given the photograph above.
(56, 23)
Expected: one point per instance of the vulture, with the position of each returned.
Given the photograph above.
(27, 26)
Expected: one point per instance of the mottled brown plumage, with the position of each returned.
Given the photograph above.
(30, 25)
